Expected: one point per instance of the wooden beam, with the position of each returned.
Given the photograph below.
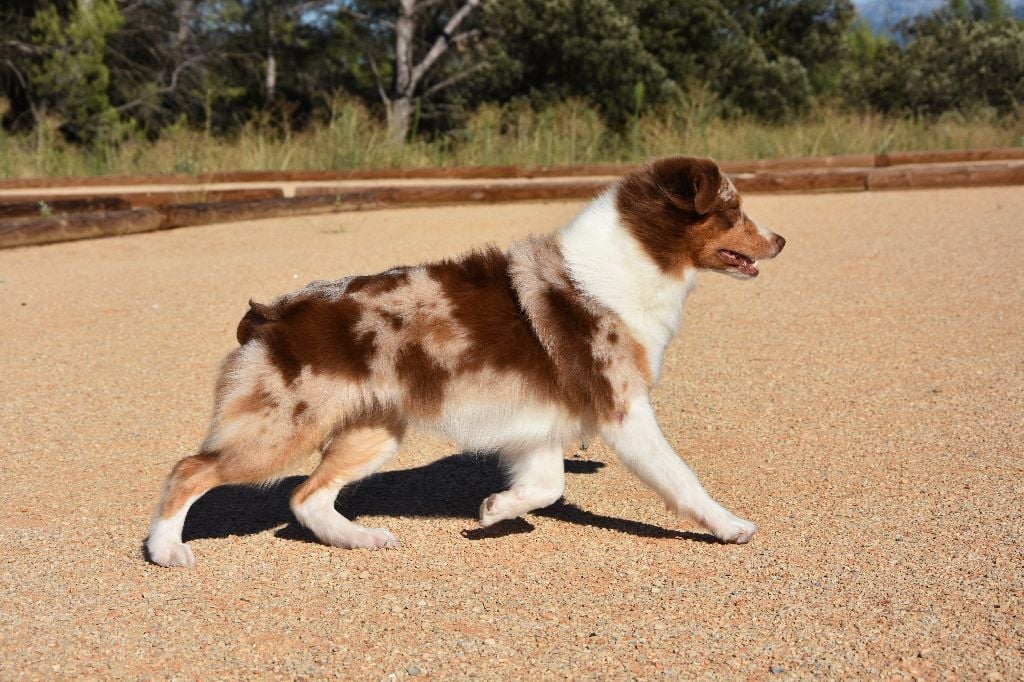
(806, 181)
(952, 156)
(331, 199)
(186, 215)
(312, 200)
(57, 206)
(921, 177)
(98, 181)
(452, 193)
(29, 231)
(146, 199)
(795, 164)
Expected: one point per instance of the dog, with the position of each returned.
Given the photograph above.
(518, 353)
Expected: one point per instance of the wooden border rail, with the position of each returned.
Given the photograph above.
(48, 218)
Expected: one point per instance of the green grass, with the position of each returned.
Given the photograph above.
(570, 133)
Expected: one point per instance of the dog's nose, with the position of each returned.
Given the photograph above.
(780, 241)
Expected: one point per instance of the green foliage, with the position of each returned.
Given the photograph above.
(114, 75)
(810, 32)
(73, 77)
(550, 50)
(950, 64)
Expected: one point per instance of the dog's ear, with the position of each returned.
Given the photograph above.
(692, 184)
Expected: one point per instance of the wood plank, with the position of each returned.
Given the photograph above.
(57, 206)
(794, 164)
(807, 181)
(951, 156)
(312, 200)
(30, 231)
(147, 199)
(442, 173)
(919, 177)
(98, 181)
(186, 215)
(153, 199)
(453, 193)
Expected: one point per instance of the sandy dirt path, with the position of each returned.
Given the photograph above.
(862, 402)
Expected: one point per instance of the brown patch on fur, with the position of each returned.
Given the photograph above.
(350, 452)
(591, 372)
(425, 380)
(642, 362)
(580, 375)
(487, 308)
(257, 400)
(299, 410)
(190, 476)
(315, 332)
(257, 315)
(375, 285)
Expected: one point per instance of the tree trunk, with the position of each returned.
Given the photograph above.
(184, 15)
(271, 81)
(409, 74)
(400, 112)
(271, 76)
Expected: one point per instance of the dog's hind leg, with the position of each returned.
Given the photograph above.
(257, 431)
(538, 479)
(353, 453)
(234, 462)
(188, 480)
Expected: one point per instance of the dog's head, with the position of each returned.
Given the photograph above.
(686, 214)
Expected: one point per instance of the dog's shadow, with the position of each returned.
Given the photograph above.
(452, 487)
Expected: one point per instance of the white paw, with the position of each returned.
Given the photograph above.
(169, 553)
(370, 538)
(493, 509)
(734, 530)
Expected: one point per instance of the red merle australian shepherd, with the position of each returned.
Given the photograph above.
(517, 352)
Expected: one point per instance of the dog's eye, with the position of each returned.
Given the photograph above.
(733, 217)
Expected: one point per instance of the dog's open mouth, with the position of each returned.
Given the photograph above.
(743, 264)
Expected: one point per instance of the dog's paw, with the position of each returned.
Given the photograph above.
(171, 554)
(493, 510)
(371, 538)
(734, 530)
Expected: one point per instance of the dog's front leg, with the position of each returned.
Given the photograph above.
(538, 479)
(642, 447)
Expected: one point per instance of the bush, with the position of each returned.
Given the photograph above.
(950, 64)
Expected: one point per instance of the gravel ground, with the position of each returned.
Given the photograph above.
(862, 402)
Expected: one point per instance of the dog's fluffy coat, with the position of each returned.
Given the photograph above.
(520, 353)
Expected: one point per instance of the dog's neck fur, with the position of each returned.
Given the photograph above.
(607, 263)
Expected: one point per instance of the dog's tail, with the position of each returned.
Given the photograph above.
(257, 315)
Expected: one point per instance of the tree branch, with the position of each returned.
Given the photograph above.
(171, 87)
(440, 45)
(20, 46)
(425, 4)
(376, 76)
(452, 80)
(362, 16)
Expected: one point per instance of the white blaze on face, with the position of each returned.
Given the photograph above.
(762, 230)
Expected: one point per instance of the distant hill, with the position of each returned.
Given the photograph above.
(882, 15)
